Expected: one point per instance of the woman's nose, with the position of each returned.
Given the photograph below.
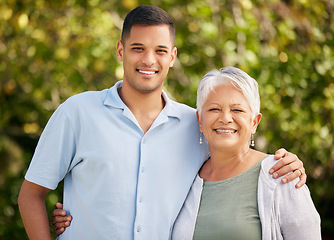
(225, 117)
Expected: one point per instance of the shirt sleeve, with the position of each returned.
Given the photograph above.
(54, 152)
(297, 215)
(184, 225)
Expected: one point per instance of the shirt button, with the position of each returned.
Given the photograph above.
(144, 140)
(142, 170)
(138, 229)
(141, 199)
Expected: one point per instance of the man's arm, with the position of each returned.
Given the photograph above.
(32, 207)
(289, 163)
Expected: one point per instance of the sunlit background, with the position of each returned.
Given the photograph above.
(50, 50)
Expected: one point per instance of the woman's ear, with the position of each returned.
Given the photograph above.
(199, 121)
(256, 122)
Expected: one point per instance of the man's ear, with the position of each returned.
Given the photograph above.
(256, 122)
(173, 57)
(119, 50)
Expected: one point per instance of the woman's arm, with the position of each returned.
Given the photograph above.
(296, 213)
(33, 211)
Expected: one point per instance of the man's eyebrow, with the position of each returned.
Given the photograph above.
(136, 44)
(163, 46)
(140, 44)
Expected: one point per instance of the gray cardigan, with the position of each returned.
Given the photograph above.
(285, 212)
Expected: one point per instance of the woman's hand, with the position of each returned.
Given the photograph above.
(60, 220)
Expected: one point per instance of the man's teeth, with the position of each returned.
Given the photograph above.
(147, 72)
(225, 131)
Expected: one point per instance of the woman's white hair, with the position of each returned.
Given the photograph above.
(229, 75)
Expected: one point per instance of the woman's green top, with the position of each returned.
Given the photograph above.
(228, 208)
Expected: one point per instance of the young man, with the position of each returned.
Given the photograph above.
(128, 155)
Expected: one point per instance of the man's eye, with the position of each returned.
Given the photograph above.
(161, 51)
(214, 109)
(237, 110)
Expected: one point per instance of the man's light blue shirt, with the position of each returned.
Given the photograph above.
(119, 183)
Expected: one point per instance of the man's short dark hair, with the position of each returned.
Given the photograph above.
(149, 16)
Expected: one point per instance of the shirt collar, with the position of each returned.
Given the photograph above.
(113, 99)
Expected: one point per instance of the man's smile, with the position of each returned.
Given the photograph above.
(147, 72)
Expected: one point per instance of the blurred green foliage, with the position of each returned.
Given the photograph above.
(50, 50)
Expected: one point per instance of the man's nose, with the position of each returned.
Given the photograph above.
(149, 58)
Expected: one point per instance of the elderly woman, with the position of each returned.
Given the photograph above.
(234, 196)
